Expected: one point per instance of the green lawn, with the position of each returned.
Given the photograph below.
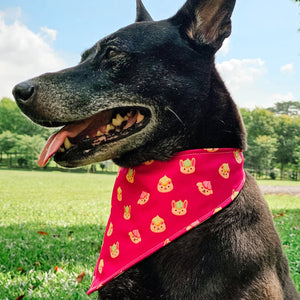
(286, 214)
(278, 182)
(73, 210)
(70, 211)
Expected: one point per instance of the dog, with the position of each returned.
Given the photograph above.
(144, 93)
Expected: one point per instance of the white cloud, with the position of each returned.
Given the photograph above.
(248, 83)
(23, 53)
(287, 69)
(51, 33)
(282, 97)
(225, 47)
(11, 14)
(240, 73)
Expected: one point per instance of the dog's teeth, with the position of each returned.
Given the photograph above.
(67, 143)
(140, 117)
(99, 133)
(130, 114)
(61, 149)
(117, 121)
(110, 127)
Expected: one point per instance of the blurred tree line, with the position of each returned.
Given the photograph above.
(273, 139)
(19, 137)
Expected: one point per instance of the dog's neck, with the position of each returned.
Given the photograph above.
(221, 125)
(156, 202)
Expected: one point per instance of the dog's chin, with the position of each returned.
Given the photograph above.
(108, 136)
(85, 153)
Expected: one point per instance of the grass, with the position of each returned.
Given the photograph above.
(286, 216)
(72, 209)
(278, 182)
(70, 212)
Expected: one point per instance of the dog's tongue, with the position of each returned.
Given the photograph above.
(57, 139)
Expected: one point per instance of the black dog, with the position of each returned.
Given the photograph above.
(145, 93)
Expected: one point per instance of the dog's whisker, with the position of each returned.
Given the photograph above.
(174, 113)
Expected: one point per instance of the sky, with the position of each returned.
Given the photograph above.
(260, 62)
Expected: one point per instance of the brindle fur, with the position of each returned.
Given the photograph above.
(168, 67)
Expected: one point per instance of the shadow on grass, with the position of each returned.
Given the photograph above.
(29, 256)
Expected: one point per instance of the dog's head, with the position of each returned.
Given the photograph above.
(145, 92)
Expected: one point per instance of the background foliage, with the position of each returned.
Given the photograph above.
(273, 139)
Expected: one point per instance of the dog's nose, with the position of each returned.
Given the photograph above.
(23, 91)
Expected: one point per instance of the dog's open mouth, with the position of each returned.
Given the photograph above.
(80, 139)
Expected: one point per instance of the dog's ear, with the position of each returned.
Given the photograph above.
(142, 14)
(205, 21)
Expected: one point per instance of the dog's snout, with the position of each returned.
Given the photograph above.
(23, 91)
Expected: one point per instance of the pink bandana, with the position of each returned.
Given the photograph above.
(156, 202)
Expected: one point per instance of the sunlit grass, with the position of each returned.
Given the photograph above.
(73, 210)
(279, 182)
(286, 214)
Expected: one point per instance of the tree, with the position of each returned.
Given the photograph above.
(8, 143)
(297, 161)
(9, 117)
(14, 121)
(29, 148)
(291, 108)
(258, 122)
(260, 155)
(272, 137)
(288, 139)
(102, 166)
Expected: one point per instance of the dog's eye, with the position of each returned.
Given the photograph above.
(111, 53)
